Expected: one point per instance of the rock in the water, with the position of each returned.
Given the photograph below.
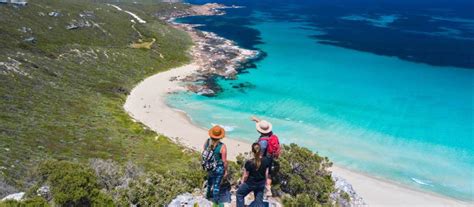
(188, 200)
(345, 194)
(206, 92)
(14, 197)
(230, 73)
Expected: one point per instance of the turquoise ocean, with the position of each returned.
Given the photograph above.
(410, 122)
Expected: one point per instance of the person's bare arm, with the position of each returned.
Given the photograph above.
(245, 175)
(224, 159)
(255, 119)
(203, 149)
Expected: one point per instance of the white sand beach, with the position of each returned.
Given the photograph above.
(146, 104)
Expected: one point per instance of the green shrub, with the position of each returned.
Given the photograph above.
(72, 184)
(304, 176)
(301, 200)
(31, 202)
(130, 185)
(346, 196)
(153, 190)
(109, 173)
(192, 178)
(234, 172)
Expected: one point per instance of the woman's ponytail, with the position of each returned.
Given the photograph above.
(257, 155)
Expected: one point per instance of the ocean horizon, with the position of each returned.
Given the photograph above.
(385, 89)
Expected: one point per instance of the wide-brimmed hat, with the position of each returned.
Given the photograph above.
(217, 132)
(264, 127)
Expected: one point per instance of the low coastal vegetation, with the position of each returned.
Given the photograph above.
(62, 90)
(303, 181)
(106, 183)
(304, 177)
(66, 68)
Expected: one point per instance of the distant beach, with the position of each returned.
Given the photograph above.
(215, 59)
(336, 92)
(147, 104)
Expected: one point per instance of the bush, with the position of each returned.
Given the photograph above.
(130, 185)
(234, 172)
(72, 184)
(109, 174)
(301, 200)
(303, 175)
(31, 202)
(153, 190)
(346, 196)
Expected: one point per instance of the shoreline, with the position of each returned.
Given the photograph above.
(147, 104)
(216, 56)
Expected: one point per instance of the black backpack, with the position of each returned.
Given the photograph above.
(209, 160)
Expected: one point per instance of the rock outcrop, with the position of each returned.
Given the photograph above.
(216, 56)
(189, 200)
(345, 195)
(5, 188)
(43, 191)
(14, 197)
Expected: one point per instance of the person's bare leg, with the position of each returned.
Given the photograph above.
(268, 187)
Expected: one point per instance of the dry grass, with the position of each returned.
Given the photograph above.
(143, 45)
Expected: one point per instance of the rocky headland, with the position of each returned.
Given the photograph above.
(215, 56)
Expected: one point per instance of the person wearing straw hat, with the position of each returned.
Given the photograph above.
(270, 147)
(214, 161)
(265, 129)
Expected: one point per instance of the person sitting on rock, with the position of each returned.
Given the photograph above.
(255, 177)
(214, 161)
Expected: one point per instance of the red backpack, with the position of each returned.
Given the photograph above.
(273, 148)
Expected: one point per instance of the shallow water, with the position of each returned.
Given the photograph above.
(405, 121)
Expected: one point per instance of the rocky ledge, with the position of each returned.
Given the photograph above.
(191, 200)
(344, 194)
(216, 56)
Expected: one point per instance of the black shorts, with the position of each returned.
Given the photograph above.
(274, 167)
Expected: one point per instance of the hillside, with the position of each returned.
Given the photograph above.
(65, 70)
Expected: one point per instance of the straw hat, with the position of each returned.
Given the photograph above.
(264, 127)
(216, 132)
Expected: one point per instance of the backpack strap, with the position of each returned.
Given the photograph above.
(207, 143)
(219, 146)
(268, 138)
(264, 139)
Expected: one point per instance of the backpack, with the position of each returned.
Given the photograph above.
(273, 148)
(209, 160)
